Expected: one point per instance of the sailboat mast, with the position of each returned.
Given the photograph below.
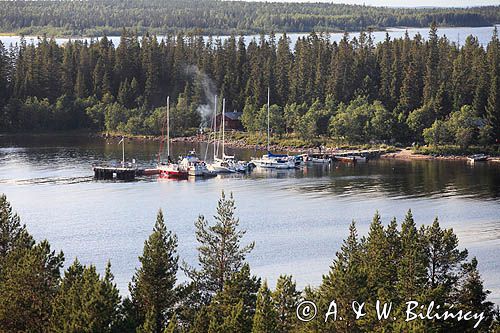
(223, 124)
(168, 128)
(268, 130)
(123, 150)
(215, 128)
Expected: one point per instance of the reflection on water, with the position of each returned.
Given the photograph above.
(298, 218)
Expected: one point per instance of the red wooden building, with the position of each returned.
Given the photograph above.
(232, 121)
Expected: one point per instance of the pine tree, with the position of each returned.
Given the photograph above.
(13, 234)
(493, 102)
(28, 284)
(445, 260)
(264, 320)
(220, 253)
(411, 271)
(431, 79)
(378, 272)
(285, 299)
(85, 302)
(284, 59)
(471, 296)
(345, 283)
(233, 308)
(152, 288)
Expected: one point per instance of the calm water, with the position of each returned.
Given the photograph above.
(457, 34)
(297, 218)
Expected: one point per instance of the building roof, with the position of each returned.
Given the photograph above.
(233, 115)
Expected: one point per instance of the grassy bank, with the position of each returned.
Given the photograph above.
(452, 150)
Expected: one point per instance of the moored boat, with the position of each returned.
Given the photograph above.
(194, 166)
(225, 163)
(274, 161)
(345, 159)
(169, 169)
(319, 158)
(270, 160)
(477, 158)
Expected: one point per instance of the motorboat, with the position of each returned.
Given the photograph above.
(194, 166)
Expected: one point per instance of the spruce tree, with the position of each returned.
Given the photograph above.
(471, 296)
(153, 289)
(264, 320)
(85, 302)
(344, 283)
(13, 234)
(28, 283)
(234, 306)
(285, 298)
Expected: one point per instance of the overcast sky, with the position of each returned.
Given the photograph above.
(410, 3)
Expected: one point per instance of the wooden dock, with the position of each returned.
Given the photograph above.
(119, 173)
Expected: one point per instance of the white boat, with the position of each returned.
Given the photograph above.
(274, 161)
(270, 160)
(319, 158)
(225, 163)
(169, 169)
(477, 158)
(194, 166)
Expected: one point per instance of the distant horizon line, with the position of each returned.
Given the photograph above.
(372, 5)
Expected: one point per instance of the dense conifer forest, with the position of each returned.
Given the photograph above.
(394, 262)
(95, 17)
(421, 89)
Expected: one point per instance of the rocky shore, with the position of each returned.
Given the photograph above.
(400, 154)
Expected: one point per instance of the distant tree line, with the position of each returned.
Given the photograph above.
(398, 91)
(95, 17)
(391, 264)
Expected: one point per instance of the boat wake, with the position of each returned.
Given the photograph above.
(48, 180)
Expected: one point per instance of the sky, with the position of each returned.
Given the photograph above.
(410, 3)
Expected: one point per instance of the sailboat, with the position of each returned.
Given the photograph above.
(227, 163)
(169, 169)
(270, 160)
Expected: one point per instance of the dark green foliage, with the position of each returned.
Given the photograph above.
(285, 299)
(153, 287)
(264, 320)
(13, 235)
(220, 254)
(353, 90)
(233, 308)
(390, 264)
(29, 276)
(85, 302)
(28, 283)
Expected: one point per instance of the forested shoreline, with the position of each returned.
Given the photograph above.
(97, 17)
(393, 263)
(399, 91)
